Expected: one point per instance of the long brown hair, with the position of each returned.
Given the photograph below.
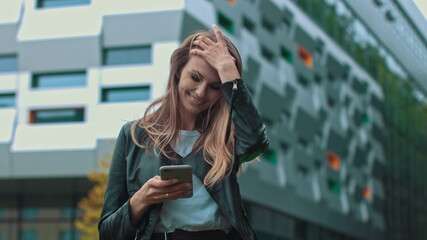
(161, 120)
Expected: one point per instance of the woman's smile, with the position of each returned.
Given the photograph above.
(195, 100)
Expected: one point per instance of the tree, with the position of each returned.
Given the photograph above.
(91, 205)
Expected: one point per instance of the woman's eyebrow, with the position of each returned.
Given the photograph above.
(198, 74)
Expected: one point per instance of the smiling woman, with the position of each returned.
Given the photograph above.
(190, 125)
(198, 89)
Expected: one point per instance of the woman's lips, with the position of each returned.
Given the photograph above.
(194, 100)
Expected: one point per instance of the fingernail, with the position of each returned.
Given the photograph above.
(188, 185)
(174, 180)
(214, 25)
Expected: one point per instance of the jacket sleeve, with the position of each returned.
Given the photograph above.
(251, 137)
(115, 222)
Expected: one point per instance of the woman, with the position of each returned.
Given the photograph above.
(191, 124)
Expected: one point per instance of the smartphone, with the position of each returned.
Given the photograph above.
(183, 173)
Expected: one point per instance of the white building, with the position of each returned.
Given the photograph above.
(72, 72)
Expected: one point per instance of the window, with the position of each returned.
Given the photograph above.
(231, 2)
(8, 63)
(61, 3)
(379, 3)
(29, 234)
(303, 170)
(53, 80)
(303, 81)
(270, 156)
(317, 79)
(333, 160)
(267, 54)
(305, 56)
(126, 94)
(67, 212)
(287, 18)
(286, 54)
(390, 16)
(69, 235)
(29, 213)
(129, 55)
(226, 23)
(334, 186)
(284, 146)
(248, 24)
(7, 100)
(367, 192)
(57, 115)
(269, 26)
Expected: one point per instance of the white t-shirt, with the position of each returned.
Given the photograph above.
(198, 213)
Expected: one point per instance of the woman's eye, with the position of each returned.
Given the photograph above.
(215, 87)
(195, 78)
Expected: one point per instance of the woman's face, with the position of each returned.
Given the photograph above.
(198, 87)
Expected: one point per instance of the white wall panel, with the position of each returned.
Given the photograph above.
(7, 119)
(10, 11)
(48, 23)
(8, 82)
(59, 136)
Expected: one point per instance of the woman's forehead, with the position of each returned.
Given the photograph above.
(201, 67)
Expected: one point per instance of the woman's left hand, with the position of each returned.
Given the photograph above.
(217, 55)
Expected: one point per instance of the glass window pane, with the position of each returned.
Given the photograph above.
(8, 63)
(57, 115)
(248, 24)
(225, 22)
(126, 94)
(61, 3)
(59, 80)
(29, 234)
(121, 56)
(29, 213)
(7, 100)
(67, 212)
(66, 235)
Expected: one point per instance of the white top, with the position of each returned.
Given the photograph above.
(198, 213)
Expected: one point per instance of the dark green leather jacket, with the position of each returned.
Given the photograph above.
(131, 167)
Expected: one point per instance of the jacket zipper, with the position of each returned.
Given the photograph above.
(137, 234)
(233, 92)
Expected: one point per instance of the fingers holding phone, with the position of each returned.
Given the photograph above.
(155, 191)
(182, 173)
(177, 190)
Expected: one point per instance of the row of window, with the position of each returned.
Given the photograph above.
(33, 223)
(275, 225)
(111, 57)
(34, 234)
(333, 161)
(61, 3)
(108, 95)
(305, 56)
(35, 213)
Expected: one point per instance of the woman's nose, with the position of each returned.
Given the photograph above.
(201, 90)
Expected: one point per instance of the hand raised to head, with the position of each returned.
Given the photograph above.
(217, 55)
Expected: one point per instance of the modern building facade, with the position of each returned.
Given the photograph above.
(340, 84)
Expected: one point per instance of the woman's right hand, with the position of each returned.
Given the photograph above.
(155, 191)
